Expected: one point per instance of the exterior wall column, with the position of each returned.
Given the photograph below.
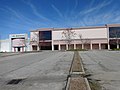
(108, 37)
(52, 46)
(82, 46)
(31, 48)
(108, 46)
(99, 46)
(117, 46)
(66, 46)
(74, 46)
(38, 48)
(14, 49)
(59, 47)
(91, 46)
(22, 49)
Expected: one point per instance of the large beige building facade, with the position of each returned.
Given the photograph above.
(90, 38)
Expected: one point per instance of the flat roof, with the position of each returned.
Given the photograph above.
(113, 25)
(87, 27)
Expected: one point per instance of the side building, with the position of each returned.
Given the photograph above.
(90, 38)
(18, 42)
(4, 45)
(15, 43)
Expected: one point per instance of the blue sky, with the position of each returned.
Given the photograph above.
(21, 16)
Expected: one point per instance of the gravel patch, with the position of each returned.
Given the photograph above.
(77, 83)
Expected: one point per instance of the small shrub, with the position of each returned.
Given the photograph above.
(77, 50)
(116, 49)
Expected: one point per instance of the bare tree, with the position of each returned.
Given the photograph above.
(83, 41)
(68, 34)
(35, 39)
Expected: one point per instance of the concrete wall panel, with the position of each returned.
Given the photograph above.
(86, 33)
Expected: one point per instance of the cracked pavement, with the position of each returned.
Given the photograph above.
(45, 70)
(104, 66)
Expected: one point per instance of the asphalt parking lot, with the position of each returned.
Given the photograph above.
(39, 71)
(48, 70)
(8, 54)
(104, 66)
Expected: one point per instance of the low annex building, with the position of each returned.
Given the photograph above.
(15, 43)
(18, 42)
(91, 38)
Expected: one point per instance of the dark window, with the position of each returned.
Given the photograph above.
(114, 32)
(45, 35)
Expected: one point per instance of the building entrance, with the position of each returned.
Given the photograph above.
(55, 47)
(18, 49)
(113, 46)
(45, 46)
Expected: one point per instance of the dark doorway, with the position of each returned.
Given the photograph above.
(55, 47)
(18, 49)
(113, 46)
(34, 47)
(104, 46)
(46, 47)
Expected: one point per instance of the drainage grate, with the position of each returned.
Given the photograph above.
(14, 81)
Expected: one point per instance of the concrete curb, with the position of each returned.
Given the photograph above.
(77, 73)
(87, 83)
(82, 65)
(68, 82)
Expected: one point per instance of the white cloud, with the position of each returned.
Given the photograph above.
(90, 9)
(18, 15)
(35, 11)
(57, 10)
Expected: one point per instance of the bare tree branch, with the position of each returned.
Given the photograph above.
(83, 41)
(35, 39)
(68, 34)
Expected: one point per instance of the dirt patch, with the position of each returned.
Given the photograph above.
(76, 64)
(77, 83)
